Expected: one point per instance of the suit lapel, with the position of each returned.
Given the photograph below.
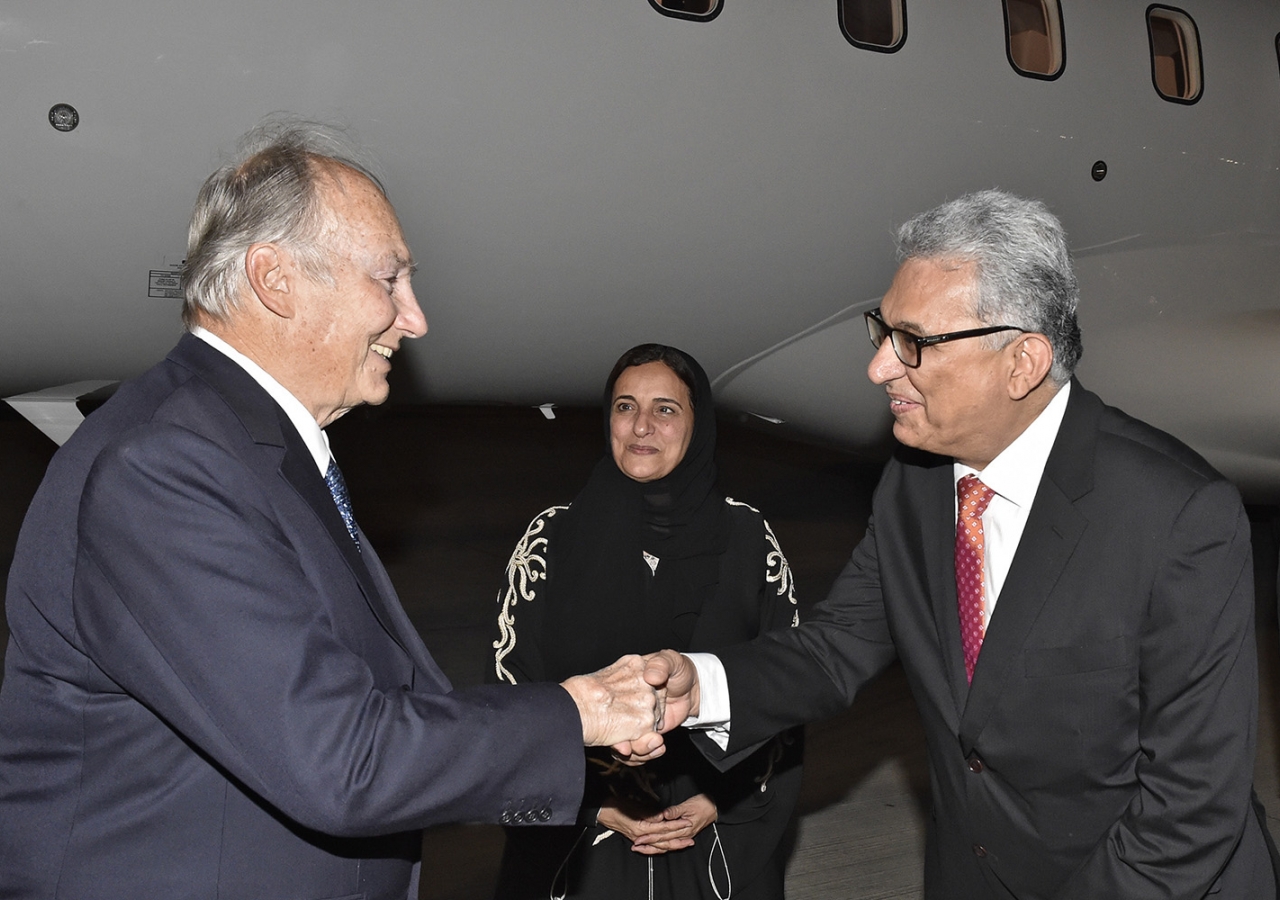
(268, 425)
(1053, 530)
(299, 469)
(938, 532)
(399, 623)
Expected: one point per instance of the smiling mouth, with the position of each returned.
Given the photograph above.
(384, 352)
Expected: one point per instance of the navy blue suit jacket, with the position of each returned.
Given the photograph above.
(209, 693)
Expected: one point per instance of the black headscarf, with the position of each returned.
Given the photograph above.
(603, 598)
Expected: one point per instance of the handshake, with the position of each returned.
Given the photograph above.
(632, 703)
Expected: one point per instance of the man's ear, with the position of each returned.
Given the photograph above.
(272, 278)
(1032, 357)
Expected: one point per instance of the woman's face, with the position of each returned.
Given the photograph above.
(651, 421)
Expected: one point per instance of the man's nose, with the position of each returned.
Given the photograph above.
(885, 365)
(409, 316)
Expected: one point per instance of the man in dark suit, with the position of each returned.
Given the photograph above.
(1069, 591)
(211, 690)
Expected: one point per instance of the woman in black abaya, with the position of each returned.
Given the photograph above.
(651, 555)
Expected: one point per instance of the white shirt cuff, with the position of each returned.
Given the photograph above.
(713, 698)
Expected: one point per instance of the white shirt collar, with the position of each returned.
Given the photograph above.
(1015, 473)
(309, 429)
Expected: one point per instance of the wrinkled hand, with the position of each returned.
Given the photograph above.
(673, 676)
(654, 833)
(618, 706)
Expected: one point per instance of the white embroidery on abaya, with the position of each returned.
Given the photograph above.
(526, 568)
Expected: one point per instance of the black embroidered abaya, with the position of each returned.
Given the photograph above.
(635, 567)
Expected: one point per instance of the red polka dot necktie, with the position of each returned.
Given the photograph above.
(974, 497)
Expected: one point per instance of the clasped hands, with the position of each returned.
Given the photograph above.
(629, 705)
(654, 832)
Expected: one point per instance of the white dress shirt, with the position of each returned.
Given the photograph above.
(1014, 475)
(312, 434)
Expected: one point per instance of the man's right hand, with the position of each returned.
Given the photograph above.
(675, 673)
(619, 703)
(675, 679)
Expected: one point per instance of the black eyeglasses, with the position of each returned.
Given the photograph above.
(907, 345)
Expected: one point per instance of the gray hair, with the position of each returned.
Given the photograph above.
(1023, 268)
(270, 193)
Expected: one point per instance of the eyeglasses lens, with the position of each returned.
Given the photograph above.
(875, 330)
(905, 348)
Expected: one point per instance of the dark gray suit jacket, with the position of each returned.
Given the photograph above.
(1105, 748)
(209, 693)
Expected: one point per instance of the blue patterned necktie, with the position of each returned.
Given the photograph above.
(338, 488)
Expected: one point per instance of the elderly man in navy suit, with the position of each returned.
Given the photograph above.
(211, 689)
(1069, 591)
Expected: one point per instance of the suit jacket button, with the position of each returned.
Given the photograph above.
(979, 851)
(505, 818)
(544, 814)
(975, 765)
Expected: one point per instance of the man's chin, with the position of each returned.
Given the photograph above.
(908, 436)
(376, 393)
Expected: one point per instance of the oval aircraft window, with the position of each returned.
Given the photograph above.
(874, 24)
(1033, 37)
(698, 10)
(1175, 54)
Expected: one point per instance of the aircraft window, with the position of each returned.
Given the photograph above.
(1033, 35)
(1175, 54)
(698, 10)
(874, 24)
